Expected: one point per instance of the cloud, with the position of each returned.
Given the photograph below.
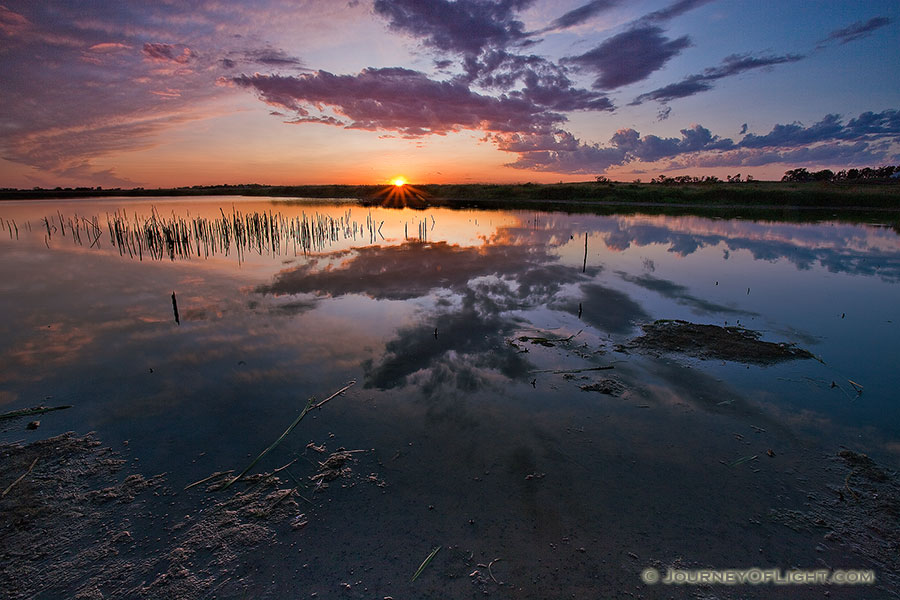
(460, 26)
(401, 100)
(862, 140)
(579, 15)
(168, 53)
(629, 57)
(474, 335)
(267, 57)
(682, 295)
(675, 9)
(605, 308)
(731, 66)
(831, 127)
(857, 30)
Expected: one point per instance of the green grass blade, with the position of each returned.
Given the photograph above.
(425, 563)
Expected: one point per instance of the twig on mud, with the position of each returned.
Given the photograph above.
(309, 406)
(280, 469)
(210, 478)
(21, 477)
(491, 573)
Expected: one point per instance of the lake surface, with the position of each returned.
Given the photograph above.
(487, 443)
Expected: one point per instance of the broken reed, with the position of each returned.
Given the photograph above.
(263, 233)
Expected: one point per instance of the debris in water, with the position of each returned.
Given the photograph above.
(711, 341)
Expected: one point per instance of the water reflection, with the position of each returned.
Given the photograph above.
(420, 300)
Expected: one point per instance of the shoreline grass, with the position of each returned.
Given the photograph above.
(859, 194)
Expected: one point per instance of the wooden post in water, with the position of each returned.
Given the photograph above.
(584, 265)
(175, 309)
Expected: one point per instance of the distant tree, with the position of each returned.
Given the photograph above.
(638, 180)
(800, 174)
(823, 175)
(602, 179)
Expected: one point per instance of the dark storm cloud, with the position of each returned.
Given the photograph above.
(629, 57)
(461, 26)
(731, 66)
(857, 30)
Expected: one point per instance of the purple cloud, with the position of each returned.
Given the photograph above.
(673, 10)
(461, 26)
(580, 15)
(731, 66)
(629, 56)
(401, 100)
(857, 30)
(862, 140)
(168, 53)
(882, 125)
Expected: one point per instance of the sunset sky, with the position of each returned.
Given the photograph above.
(193, 92)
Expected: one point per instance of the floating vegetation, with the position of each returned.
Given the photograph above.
(711, 341)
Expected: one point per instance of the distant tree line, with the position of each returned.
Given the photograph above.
(844, 175)
(682, 179)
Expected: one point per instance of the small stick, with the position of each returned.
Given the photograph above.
(562, 371)
(175, 308)
(491, 573)
(31, 411)
(211, 477)
(21, 477)
(309, 406)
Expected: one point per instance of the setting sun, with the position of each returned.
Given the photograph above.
(398, 181)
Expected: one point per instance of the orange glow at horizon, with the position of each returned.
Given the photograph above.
(398, 181)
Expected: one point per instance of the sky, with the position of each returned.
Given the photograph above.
(166, 93)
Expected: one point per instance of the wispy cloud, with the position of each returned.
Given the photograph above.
(857, 30)
(731, 66)
(579, 15)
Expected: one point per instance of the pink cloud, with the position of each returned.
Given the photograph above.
(167, 53)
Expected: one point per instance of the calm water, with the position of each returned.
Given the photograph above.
(424, 310)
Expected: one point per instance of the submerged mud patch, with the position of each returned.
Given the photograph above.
(78, 526)
(712, 341)
(859, 512)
